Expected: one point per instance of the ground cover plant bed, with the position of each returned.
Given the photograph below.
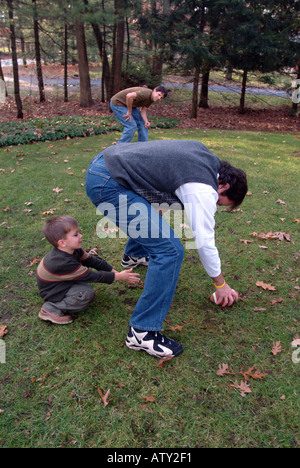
(236, 385)
(58, 128)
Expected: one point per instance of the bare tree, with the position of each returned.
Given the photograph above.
(38, 60)
(14, 59)
(118, 46)
(86, 99)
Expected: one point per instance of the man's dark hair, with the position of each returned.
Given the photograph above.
(237, 180)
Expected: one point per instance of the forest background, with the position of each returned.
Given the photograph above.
(138, 42)
(235, 385)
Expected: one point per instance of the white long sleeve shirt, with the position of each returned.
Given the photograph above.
(200, 204)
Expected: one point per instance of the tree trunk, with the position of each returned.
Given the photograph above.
(204, 90)
(195, 93)
(229, 72)
(3, 91)
(38, 61)
(66, 95)
(103, 55)
(15, 59)
(296, 92)
(102, 51)
(243, 93)
(118, 47)
(84, 75)
(157, 68)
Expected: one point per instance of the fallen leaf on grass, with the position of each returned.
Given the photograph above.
(104, 398)
(176, 327)
(3, 330)
(34, 261)
(272, 235)
(243, 387)
(257, 375)
(277, 301)
(49, 212)
(296, 341)
(162, 361)
(246, 241)
(57, 190)
(247, 373)
(48, 415)
(277, 348)
(263, 285)
(224, 369)
(149, 399)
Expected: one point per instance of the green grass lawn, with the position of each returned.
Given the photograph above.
(49, 383)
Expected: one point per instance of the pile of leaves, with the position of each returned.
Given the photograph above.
(59, 128)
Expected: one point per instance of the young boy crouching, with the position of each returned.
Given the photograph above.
(64, 273)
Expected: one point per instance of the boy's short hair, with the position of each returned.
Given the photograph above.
(58, 227)
(163, 90)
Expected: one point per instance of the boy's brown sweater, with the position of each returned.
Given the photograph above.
(59, 271)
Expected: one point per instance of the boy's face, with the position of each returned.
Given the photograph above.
(157, 96)
(71, 242)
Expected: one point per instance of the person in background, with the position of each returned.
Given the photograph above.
(130, 107)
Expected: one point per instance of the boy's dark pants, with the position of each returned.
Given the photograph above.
(77, 299)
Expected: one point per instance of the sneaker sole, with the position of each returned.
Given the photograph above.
(153, 353)
(134, 265)
(46, 318)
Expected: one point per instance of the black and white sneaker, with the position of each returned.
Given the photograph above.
(154, 343)
(133, 262)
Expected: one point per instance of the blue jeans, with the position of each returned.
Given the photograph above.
(137, 124)
(149, 235)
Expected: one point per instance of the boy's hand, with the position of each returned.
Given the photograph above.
(127, 276)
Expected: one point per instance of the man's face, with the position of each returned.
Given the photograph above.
(157, 96)
(223, 199)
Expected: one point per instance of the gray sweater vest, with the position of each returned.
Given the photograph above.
(156, 169)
